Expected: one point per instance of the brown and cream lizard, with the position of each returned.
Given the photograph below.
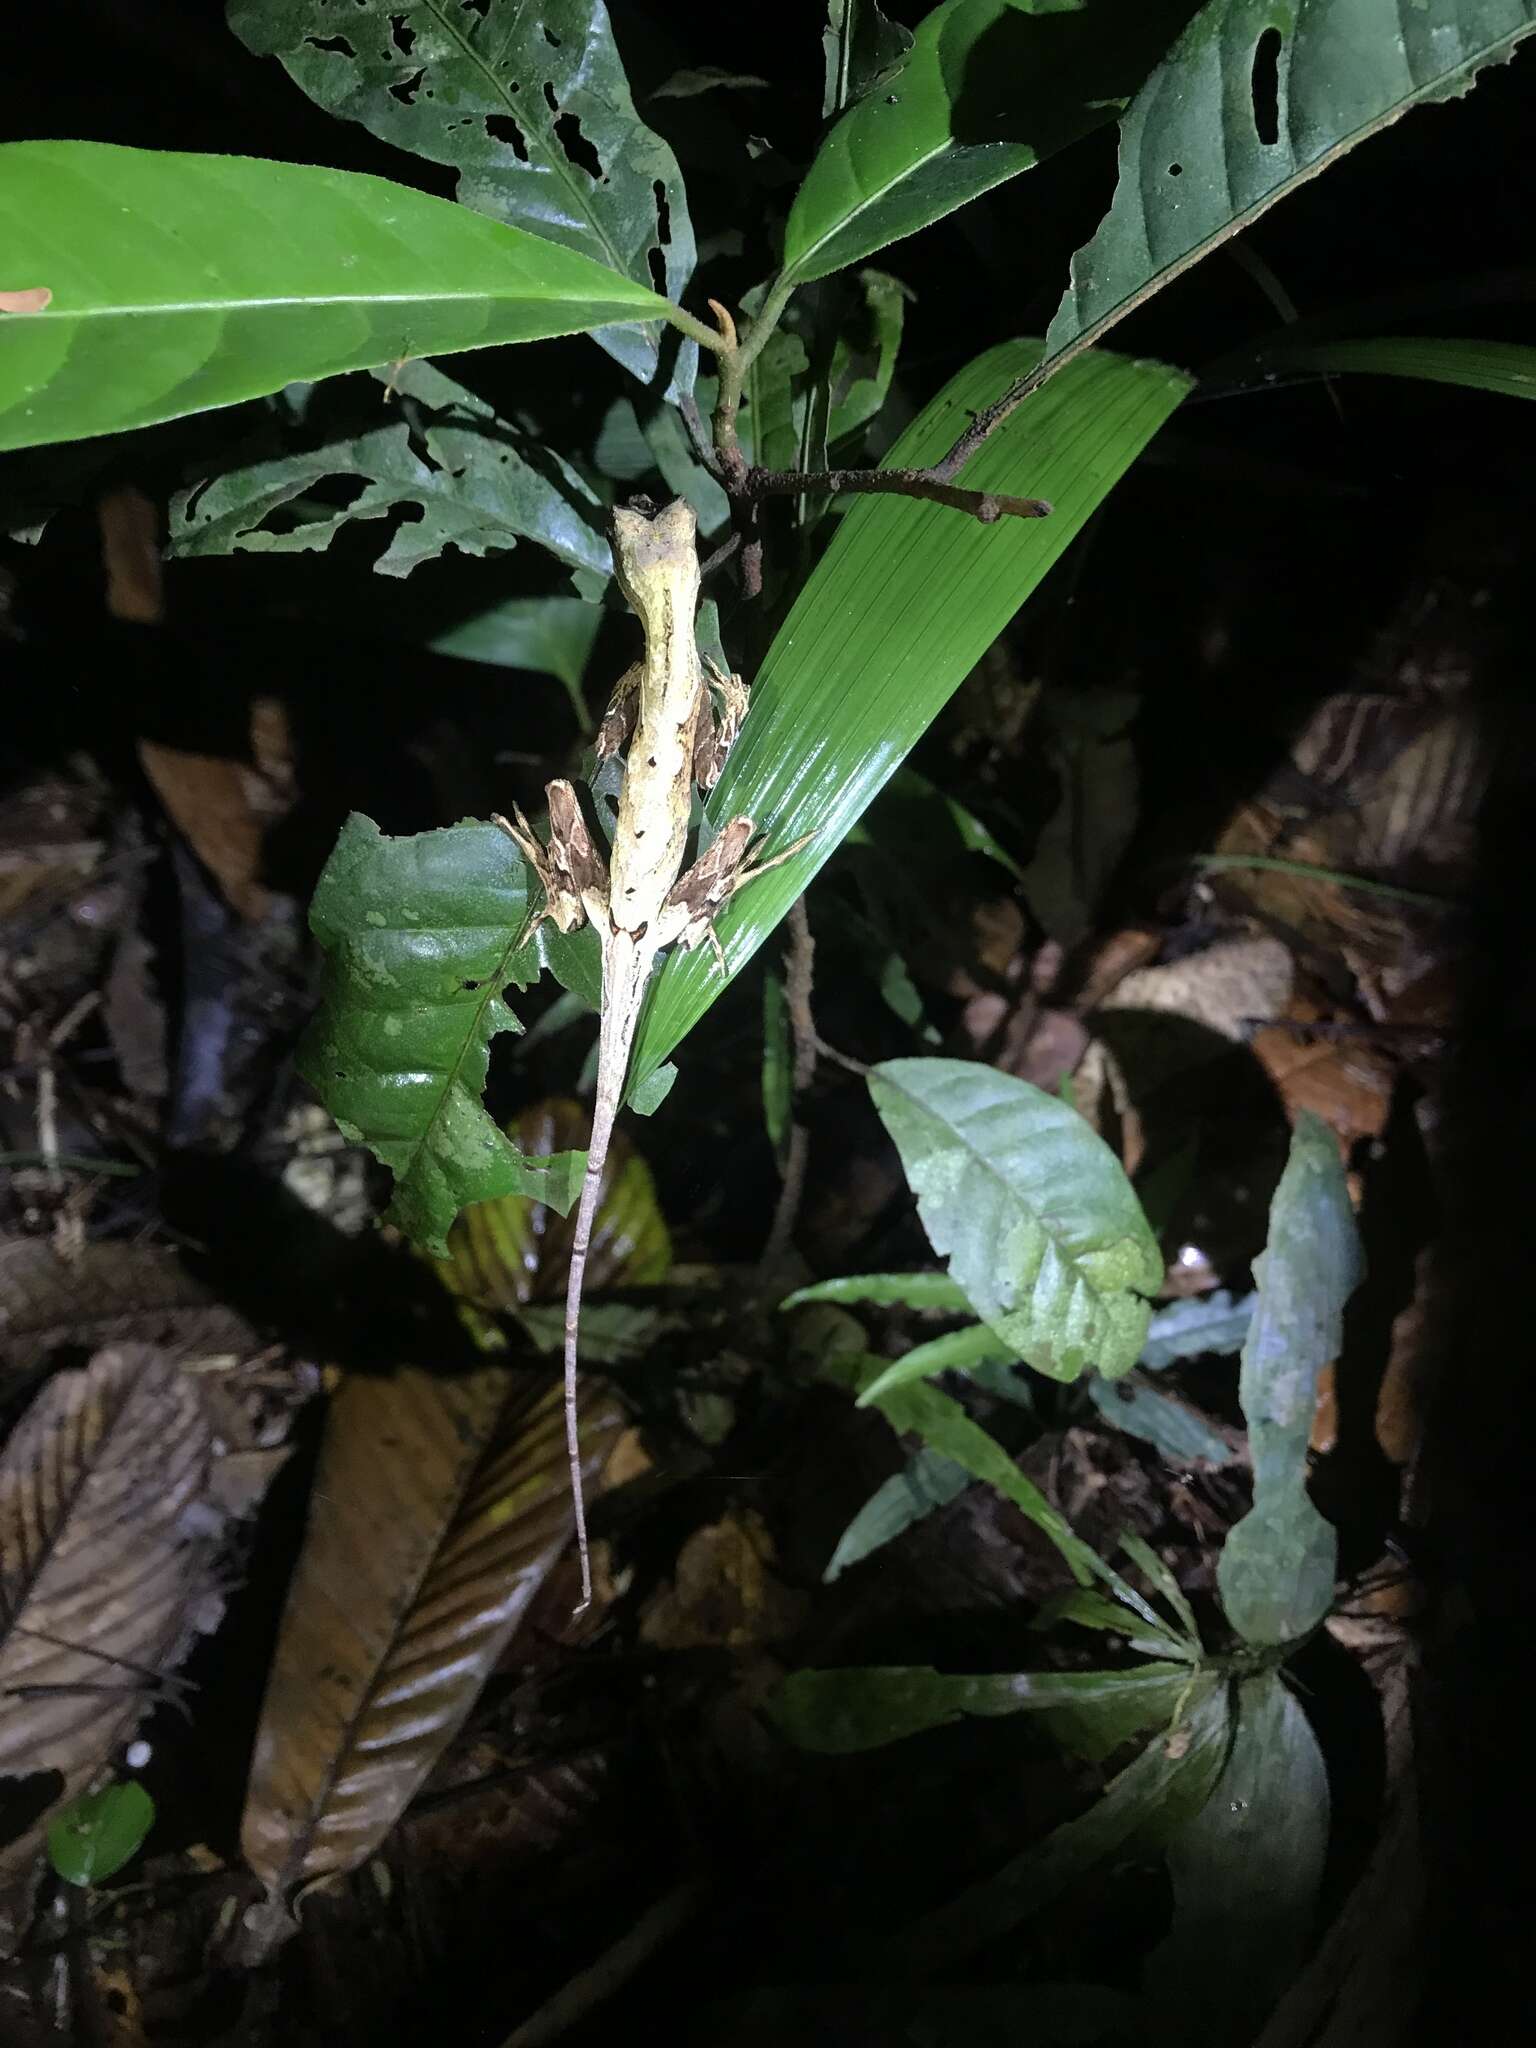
(679, 718)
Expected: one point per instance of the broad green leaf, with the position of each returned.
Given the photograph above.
(421, 938)
(1246, 1871)
(927, 1481)
(837, 1713)
(929, 825)
(900, 608)
(1504, 366)
(989, 88)
(96, 1835)
(1256, 96)
(1198, 1325)
(769, 427)
(888, 1290)
(185, 282)
(477, 481)
(927, 1412)
(552, 636)
(1276, 1570)
(1031, 1208)
(1150, 1799)
(531, 107)
(861, 49)
(956, 1351)
(1167, 1425)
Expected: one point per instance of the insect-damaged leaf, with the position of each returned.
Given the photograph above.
(421, 938)
(529, 104)
(104, 1566)
(438, 1508)
(186, 282)
(1041, 1227)
(478, 484)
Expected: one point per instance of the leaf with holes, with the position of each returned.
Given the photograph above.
(989, 88)
(1256, 96)
(421, 938)
(180, 283)
(1276, 1569)
(531, 107)
(478, 483)
(1041, 1227)
(439, 1507)
(105, 1569)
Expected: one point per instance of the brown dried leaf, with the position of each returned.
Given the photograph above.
(34, 298)
(439, 1506)
(130, 550)
(206, 797)
(103, 1565)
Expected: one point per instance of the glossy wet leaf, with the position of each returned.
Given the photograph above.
(1041, 1227)
(96, 1835)
(105, 1564)
(900, 608)
(1508, 367)
(988, 89)
(1276, 1569)
(1137, 1812)
(420, 937)
(1246, 1872)
(1256, 96)
(531, 107)
(1199, 1325)
(836, 1713)
(861, 49)
(185, 282)
(464, 478)
(926, 1482)
(440, 1504)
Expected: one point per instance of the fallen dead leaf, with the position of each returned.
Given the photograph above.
(725, 1592)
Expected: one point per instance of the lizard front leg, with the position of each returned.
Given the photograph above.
(698, 896)
(570, 870)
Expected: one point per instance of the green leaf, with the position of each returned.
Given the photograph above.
(864, 356)
(1033, 1211)
(1173, 1430)
(185, 282)
(928, 825)
(989, 88)
(861, 49)
(1202, 156)
(551, 636)
(96, 1835)
(1152, 1797)
(1141, 1553)
(1246, 1871)
(771, 405)
(841, 699)
(944, 1426)
(478, 481)
(888, 1290)
(927, 1481)
(1199, 1325)
(1276, 1570)
(420, 937)
(531, 107)
(956, 1351)
(1508, 367)
(836, 1713)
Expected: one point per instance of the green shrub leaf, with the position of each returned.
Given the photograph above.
(96, 1835)
(1041, 1228)
(184, 282)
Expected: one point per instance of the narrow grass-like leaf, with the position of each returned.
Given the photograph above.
(900, 608)
(887, 1290)
(1276, 1570)
(421, 937)
(1198, 1325)
(1165, 1786)
(955, 1351)
(837, 1713)
(988, 89)
(530, 105)
(1167, 1425)
(926, 1482)
(478, 484)
(1508, 367)
(184, 282)
(1040, 1225)
(1256, 96)
(1246, 1871)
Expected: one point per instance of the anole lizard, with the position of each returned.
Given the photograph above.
(680, 719)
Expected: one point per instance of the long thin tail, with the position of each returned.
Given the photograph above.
(591, 1186)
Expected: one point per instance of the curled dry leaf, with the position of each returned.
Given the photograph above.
(439, 1507)
(104, 1560)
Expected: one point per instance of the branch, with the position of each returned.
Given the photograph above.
(933, 484)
